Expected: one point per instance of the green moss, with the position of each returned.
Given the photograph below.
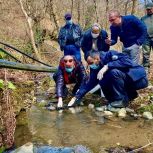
(20, 95)
(2, 149)
(146, 108)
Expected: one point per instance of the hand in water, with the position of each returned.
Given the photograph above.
(72, 101)
(60, 102)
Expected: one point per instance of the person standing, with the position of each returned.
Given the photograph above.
(94, 39)
(131, 31)
(148, 45)
(69, 37)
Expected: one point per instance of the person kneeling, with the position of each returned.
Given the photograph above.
(118, 76)
(70, 71)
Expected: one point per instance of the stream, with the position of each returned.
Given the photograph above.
(88, 128)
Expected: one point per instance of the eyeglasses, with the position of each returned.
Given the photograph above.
(112, 20)
(90, 63)
(70, 61)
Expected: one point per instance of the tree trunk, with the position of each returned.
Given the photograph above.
(72, 1)
(106, 13)
(30, 30)
(133, 6)
(95, 5)
(126, 7)
(52, 13)
(78, 10)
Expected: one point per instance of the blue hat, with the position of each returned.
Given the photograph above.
(68, 16)
(149, 5)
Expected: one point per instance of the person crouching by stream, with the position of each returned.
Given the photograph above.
(118, 76)
(70, 71)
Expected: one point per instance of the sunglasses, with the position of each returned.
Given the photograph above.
(112, 20)
(70, 61)
(90, 63)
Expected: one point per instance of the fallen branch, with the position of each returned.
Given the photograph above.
(138, 149)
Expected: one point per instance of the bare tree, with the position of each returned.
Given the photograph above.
(29, 20)
(134, 2)
(52, 13)
(72, 5)
(95, 5)
(126, 7)
(106, 12)
(78, 10)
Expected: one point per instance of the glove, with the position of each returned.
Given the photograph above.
(101, 72)
(60, 102)
(72, 101)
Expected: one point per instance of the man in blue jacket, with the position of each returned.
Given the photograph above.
(131, 31)
(69, 38)
(70, 71)
(118, 76)
(94, 39)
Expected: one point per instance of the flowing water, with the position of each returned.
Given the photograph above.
(88, 128)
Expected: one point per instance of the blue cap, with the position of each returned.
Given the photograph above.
(68, 16)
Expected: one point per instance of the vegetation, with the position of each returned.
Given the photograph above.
(32, 26)
(28, 25)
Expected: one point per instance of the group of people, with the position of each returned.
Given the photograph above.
(119, 74)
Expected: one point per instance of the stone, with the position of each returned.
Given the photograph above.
(122, 113)
(136, 116)
(147, 115)
(91, 106)
(112, 109)
(50, 141)
(151, 99)
(27, 148)
(78, 109)
(72, 110)
(129, 110)
(51, 108)
(101, 109)
(108, 113)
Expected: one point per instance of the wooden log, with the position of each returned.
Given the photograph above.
(26, 67)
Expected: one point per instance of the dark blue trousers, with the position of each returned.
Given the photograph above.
(117, 85)
(73, 50)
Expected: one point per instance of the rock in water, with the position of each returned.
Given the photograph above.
(81, 149)
(108, 113)
(101, 109)
(91, 106)
(147, 115)
(27, 148)
(50, 149)
(122, 113)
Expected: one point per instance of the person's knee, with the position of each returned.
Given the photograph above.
(142, 83)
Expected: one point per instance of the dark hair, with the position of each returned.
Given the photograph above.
(92, 54)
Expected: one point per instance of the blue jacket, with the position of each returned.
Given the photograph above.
(86, 43)
(70, 35)
(132, 31)
(115, 60)
(61, 77)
